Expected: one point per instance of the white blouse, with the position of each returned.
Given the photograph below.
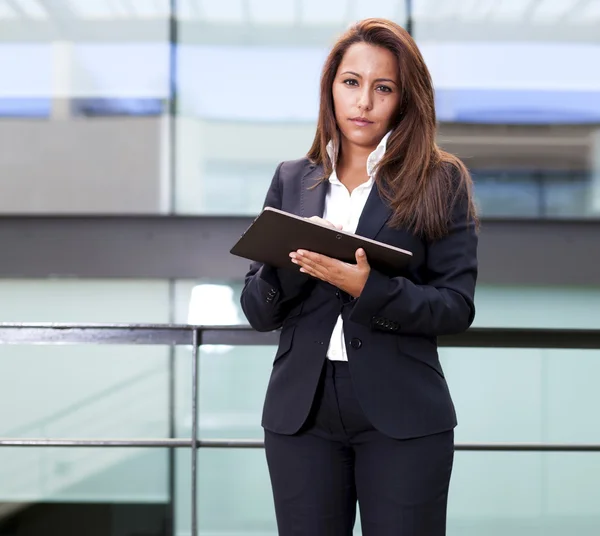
(345, 208)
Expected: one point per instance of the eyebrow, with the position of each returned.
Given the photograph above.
(378, 79)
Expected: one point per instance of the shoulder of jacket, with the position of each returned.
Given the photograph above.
(294, 169)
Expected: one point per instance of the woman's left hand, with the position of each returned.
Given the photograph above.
(350, 278)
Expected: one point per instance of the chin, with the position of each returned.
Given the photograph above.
(363, 139)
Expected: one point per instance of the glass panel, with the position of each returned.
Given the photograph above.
(552, 394)
(235, 493)
(524, 494)
(83, 474)
(537, 307)
(86, 85)
(233, 382)
(233, 379)
(84, 391)
(552, 400)
(84, 301)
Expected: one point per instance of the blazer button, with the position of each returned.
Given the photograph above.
(356, 343)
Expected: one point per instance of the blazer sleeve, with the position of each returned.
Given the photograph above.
(270, 293)
(442, 306)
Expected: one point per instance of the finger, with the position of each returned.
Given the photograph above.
(322, 221)
(361, 258)
(311, 271)
(301, 259)
(309, 266)
(328, 269)
(315, 258)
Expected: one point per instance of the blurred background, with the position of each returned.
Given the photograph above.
(137, 142)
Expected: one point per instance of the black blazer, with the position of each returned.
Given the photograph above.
(390, 329)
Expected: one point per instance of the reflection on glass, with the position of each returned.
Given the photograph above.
(213, 305)
(232, 379)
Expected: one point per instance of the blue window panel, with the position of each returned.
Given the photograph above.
(567, 196)
(532, 193)
(116, 106)
(25, 107)
(504, 194)
(518, 106)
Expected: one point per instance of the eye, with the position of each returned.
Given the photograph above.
(384, 89)
(351, 82)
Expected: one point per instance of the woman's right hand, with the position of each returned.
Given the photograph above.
(326, 223)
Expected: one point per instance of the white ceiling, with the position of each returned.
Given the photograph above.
(536, 11)
(7, 12)
(32, 9)
(115, 9)
(314, 12)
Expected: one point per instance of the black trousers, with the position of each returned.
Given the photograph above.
(338, 458)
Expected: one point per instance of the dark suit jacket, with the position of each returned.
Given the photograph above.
(390, 329)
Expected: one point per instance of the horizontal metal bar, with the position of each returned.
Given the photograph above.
(230, 443)
(245, 336)
(259, 444)
(582, 339)
(181, 334)
(146, 334)
(154, 443)
(56, 334)
(527, 447)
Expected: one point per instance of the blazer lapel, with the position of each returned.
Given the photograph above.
(374, 215)
(312, 193)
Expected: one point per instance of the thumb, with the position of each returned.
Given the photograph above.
(361, 258)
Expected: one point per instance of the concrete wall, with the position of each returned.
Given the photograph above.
(100, 166)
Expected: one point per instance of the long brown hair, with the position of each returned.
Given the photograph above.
(419, 181)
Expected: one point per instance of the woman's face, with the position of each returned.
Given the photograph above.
(366, 94)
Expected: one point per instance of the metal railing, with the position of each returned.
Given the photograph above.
(195, 336)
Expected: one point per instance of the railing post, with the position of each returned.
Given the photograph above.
(196, 341)
(172, 435)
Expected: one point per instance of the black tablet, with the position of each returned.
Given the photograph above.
(275, 233)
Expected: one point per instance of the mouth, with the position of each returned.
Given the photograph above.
(361, 121)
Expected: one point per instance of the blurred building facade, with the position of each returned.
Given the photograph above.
(138, 140)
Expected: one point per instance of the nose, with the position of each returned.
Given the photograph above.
(365, 99)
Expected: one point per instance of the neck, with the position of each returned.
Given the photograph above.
(352, 165)
(353, 158)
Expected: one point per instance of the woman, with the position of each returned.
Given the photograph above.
(357, 408)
